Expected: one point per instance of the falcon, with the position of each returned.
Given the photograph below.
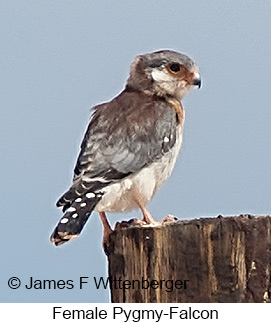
(131, 144)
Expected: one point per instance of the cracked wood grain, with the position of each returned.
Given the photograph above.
(224, 259)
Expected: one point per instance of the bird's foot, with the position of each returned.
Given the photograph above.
(129, 223)
(138, 222)
(169, 218)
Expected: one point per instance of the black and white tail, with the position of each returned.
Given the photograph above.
(74, 218)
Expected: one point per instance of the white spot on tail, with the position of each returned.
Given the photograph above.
(78, 200)
(64, 220)
(90, 195)
(166, 139)
(75, 215)
(83, 204)
(71, 209)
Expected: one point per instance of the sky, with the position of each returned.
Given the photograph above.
(60, 58)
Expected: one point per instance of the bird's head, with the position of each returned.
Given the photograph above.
(164, 73)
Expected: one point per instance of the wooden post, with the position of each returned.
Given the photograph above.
(223, 259)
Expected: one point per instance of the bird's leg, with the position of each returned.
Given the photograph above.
(107, 229)
(147, 217)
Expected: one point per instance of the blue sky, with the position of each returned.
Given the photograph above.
(60, 58)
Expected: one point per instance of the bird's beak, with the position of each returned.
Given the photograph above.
(195, 79)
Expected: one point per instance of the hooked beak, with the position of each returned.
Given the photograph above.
(195, 79)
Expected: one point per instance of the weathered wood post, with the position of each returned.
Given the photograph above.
(223, 259)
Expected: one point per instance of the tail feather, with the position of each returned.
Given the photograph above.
(74, 218)
(78, 189)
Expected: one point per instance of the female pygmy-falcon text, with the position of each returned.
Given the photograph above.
(131, 144)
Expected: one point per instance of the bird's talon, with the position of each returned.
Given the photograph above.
(122, 224)
(169, 218)
(129, 223)
(137, 222)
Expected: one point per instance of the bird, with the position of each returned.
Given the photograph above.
(131, 144)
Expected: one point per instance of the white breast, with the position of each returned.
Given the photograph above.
(119, 197)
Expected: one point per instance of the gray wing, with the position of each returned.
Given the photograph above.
(124, 135)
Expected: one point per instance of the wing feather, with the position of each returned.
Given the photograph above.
(123, 136)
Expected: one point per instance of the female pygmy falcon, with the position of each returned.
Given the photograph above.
(131, 144)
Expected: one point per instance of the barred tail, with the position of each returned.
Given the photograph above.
(74, 218)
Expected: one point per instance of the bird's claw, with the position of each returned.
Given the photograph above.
(169, 218)
(129, 223)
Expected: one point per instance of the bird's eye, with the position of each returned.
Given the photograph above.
(175, 67)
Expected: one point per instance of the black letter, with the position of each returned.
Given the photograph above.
(172, 311)
(115, 313)
(82, 282)
(31, 283)
(54, 308)
(101, 280)
(70, 284)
